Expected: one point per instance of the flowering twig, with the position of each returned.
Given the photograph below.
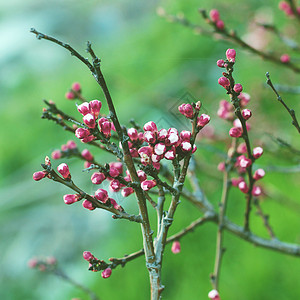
(69, 183)
(228, 35)
(96, 72)
(290, 111)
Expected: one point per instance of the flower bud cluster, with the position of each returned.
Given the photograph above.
(66, 150)
(215, 18)
(74, 92)
(96, 265)
(91, 118)
(43, 264)
(227, 111)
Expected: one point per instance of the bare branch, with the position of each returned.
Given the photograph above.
(290, 111)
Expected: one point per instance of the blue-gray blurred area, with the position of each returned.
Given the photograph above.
(151, 66)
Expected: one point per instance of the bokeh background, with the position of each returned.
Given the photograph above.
(151, 66)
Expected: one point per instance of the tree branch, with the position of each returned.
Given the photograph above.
(290, 111)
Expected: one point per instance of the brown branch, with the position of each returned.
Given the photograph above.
(290, 111)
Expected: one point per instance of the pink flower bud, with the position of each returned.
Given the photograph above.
(106, 273)
(243, 187)
(230, 54)
(88, 205)
(214, 15)
(84, 108)
(235, 132)
(64, 147)
(172, 138)
(160, 149)
(259, 173)
(115, 185)
(101, 195)
(213, 295)
(106, 128)
(283, 5)
(117, 165)
(257, 152)
(87, 164)
(162, 134)
(244, 99)
(176, 247)
(242, 148)
(88, 139)
(220, 24)
(115, 204)
(256, 191)
(71, 145)
(89, 120)
(170, 155)
(149, 137)
(86, 154)
(220, 63)
(224, 82)
(70, 95)
(113, 172)
(237, 123)
(32, 263)
(187, 110)
(133, 134)
(127, 191)
(203, 120)
(70, 198)
(238, 88)
(148, 184)
(186, 146)
(285, 58)
(246, 113)
(82, 133)
(63, 169)
(150, 126)
(76, 86)
(236, 181)
(185, 135)
(56, 154)
(245, 162)
(98, 178)
(221, 166)
(142, 175)
(87, 255)
(95, 106)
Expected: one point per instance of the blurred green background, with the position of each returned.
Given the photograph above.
(151, 66)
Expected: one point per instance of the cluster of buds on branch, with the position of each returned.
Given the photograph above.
(152, 163)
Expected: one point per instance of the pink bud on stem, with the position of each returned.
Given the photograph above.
(106, 273)
(63, 169)
(176, 248)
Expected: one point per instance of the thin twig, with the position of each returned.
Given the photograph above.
(265, 218)
(65, 277)
(290, 111)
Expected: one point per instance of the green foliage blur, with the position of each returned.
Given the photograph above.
(150, 65)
